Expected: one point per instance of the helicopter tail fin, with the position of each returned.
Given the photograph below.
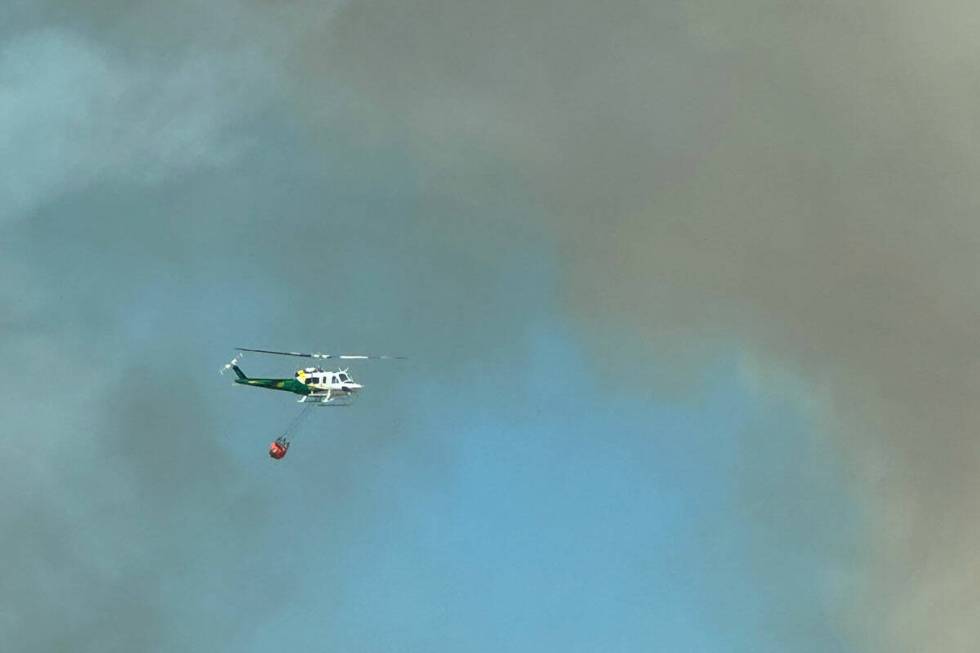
(233, 365)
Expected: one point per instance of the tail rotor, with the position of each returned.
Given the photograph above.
(230, 364)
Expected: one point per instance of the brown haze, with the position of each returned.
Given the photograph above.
(798, 178)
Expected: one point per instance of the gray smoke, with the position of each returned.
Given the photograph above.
(797, 181)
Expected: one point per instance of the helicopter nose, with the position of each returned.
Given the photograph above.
(352, 387)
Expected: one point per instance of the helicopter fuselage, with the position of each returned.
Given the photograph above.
(306, 382)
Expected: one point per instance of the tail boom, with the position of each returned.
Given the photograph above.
(287, 385)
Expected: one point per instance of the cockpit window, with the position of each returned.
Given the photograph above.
(343, 377)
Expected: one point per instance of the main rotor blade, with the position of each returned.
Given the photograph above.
(279, 353)
(319, 355)
(362, 357)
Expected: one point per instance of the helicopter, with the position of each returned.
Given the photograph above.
(315, 385)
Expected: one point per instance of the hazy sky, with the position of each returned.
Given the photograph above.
(688, 292)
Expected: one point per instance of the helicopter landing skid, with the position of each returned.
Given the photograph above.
(322, 401)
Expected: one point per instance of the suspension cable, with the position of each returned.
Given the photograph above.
(297, 421)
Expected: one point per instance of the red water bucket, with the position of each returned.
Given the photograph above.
(278, 449)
